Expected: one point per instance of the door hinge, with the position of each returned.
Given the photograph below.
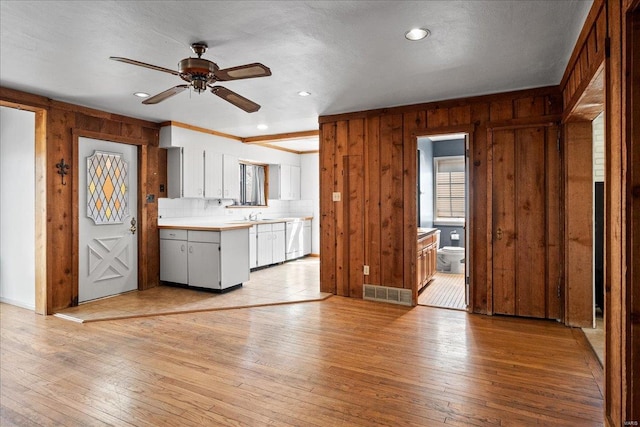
(558, 140)
(559, 285)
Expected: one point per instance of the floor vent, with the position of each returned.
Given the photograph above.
(387, 294)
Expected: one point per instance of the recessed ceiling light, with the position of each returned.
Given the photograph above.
(263, 127)
(417, 34)
(141, 94)
(304, 93)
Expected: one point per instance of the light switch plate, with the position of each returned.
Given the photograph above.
(336, 196)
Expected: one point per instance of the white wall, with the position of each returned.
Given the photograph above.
(17, 207)
(598, 148)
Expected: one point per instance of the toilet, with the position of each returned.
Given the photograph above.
(451, 260)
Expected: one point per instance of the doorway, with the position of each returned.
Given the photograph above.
(442, 194)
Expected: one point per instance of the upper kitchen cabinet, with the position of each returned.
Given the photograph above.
(284, 182)
(198, 173)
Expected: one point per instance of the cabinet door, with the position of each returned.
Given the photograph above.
(279, 246)
(253, 248)
(231, 177)
(173, 261)
(192, 172)
(204, 265)
(295, 183)
(306, 239)
(285, 182)
(265, 248)
(212, 175)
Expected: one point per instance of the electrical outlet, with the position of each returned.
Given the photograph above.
(336, 196)
(366, 270)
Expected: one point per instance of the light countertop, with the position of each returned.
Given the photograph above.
(205, 224)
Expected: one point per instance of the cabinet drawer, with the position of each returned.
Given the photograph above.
(204, 236)
(278, 226)
(262, 228)
(170, 234)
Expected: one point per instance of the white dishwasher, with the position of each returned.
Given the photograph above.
(295, 239)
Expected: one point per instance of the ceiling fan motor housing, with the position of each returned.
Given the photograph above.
(197, 71)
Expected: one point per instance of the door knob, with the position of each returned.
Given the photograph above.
(133, 227)
(499, 233)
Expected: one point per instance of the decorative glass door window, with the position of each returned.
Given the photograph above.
(107, 188)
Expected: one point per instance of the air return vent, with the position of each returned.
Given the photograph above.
(387, 294)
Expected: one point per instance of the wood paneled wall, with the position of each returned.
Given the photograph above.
(63, 121)
(370, 159)
(613, 24)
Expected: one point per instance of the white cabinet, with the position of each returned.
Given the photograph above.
(173, 256)
(253, 247)
(198, 173)
(213, 175)
(231, 177)
(306, 238)
(284, 182)
(204, 265)
(206, 259)
(185, 172)
(270, 244)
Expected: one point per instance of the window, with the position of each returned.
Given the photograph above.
(252, 184)
(449, 191)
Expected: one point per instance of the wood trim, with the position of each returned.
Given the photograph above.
(422, 132)
(584, 92)
(578, 224)
(458, 102)
(596, 8)
(550, 120)
(489, 221)
(200, 129)
(280, 136)
(41, 211)
(275, 147)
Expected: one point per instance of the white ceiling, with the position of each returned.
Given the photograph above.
(351, 55)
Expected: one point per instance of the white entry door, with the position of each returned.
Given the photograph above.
(107, 218)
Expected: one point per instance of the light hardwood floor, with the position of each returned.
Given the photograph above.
(337, 362)
(294, 281)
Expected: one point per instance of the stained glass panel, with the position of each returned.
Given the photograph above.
(107, 188)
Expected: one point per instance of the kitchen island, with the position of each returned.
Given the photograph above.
(204, 254)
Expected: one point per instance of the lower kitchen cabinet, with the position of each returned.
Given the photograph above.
(173, 256)
(205, 259)
(271, 245)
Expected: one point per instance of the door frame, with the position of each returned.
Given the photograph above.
(469, 220)
(140, 211)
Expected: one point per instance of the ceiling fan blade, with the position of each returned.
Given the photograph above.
(143, 64)
(235, 99)
(164, 95)
(243, 72)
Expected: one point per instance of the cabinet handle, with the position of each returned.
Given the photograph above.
(190, 249)
(499, 233)
(182, 248)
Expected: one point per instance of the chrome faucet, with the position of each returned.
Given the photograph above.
(253, 216)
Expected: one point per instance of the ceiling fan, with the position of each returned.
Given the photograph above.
(201, 74)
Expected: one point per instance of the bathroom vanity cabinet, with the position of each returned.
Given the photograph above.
(427, 252)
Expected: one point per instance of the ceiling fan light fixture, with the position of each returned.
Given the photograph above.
(141, 94)
(304, 93)
(416, 34)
